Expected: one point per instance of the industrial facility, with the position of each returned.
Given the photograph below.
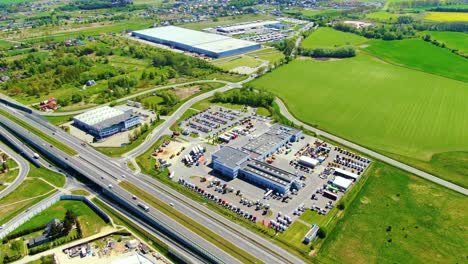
(212, 45)
(247, 162)
(243, 27)
(106, 121)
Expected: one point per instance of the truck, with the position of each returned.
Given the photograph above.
(35, 155)
(143, 206)
(268, 194)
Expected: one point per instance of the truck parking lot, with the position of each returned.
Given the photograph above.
(325, 172)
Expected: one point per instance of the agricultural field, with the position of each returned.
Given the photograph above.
(413, 53)
(378, 105)
(328, 38)
(399, 218)
(453, 40)
(315, 12)
(91, 223)
(447, 16)
(384, 16)
(270, 54)
(231, 63)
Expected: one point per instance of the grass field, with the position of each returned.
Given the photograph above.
(54, 178)
(316, 12)
(383, 16)
(80, 192)
(23, 197)
(4, 44)
(58, 120)
(270, 54)
(447, 16)
(91, 223)
(237, 61)
(327, 38)
(385, 107)
(400, 218)
(413, 53)
(453, 40)
(10, 175)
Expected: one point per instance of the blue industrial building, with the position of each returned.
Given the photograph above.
(106, 121)
(212, 45)
(247, 162)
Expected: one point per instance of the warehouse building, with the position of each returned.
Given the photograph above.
(247, 163)
(228, 160)
(212, 45)
(345, 174)
(106, 121)
(242, 27)
(267, 143)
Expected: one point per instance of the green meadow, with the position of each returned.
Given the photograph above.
(385, 107)
(399, 218)
(325, 37)
(414, 53)
(453, 40)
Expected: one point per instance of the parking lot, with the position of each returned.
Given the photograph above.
(192, 166)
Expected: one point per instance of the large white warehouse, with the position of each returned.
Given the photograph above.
(212, 45)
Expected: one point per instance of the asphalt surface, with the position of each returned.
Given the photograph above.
(96, 165)
(23, 167)
(284, 111)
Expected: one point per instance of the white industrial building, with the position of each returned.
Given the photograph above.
(342, 183)
(242, 27)
(308, 161)
(105, 121)
(212, 45)
(346, 174)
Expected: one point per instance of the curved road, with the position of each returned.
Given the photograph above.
(23, 169)
(284, 111)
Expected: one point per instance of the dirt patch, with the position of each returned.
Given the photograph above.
(243, 70)
(186, 92)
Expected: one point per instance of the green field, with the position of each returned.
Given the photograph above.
(400, 218)
(270, 54)
(54, 178)
(315, 12)
(327, 38)
(384, 16)
(4, 44)
(453, 40)
(23, 197)
(231, 63)
(385, 107)
(10, 175)
(421, 55)
(91, 223)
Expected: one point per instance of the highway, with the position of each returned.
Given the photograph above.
(94, 163)
(23, 167)
(284, 111)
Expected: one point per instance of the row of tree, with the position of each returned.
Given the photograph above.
(385, 32)
(245, 96)
(339, 52)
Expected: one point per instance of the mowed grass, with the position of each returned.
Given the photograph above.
(421, 55)
(375, 104)
(400, 218)
(325, 37)
(91, 223)
(54, 178)
(447, 16)
(28, 193)
(453, 40)
(270, 54)
(234, 62)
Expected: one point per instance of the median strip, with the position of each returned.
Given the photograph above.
(53, 141)
(195, 227)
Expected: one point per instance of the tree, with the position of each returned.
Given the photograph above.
(322, 233)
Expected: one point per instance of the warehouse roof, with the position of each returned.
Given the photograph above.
(269, 172)
(103, 117)
(230, 156)
(346, 173)
(247, 25)
(342, 182)
(194, 38)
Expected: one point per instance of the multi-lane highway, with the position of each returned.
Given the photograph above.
(95, 164)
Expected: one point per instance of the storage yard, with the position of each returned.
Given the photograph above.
(262, 171)
(211, 45)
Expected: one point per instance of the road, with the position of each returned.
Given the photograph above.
(284, 111)
(23, 167)
(104, 172)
